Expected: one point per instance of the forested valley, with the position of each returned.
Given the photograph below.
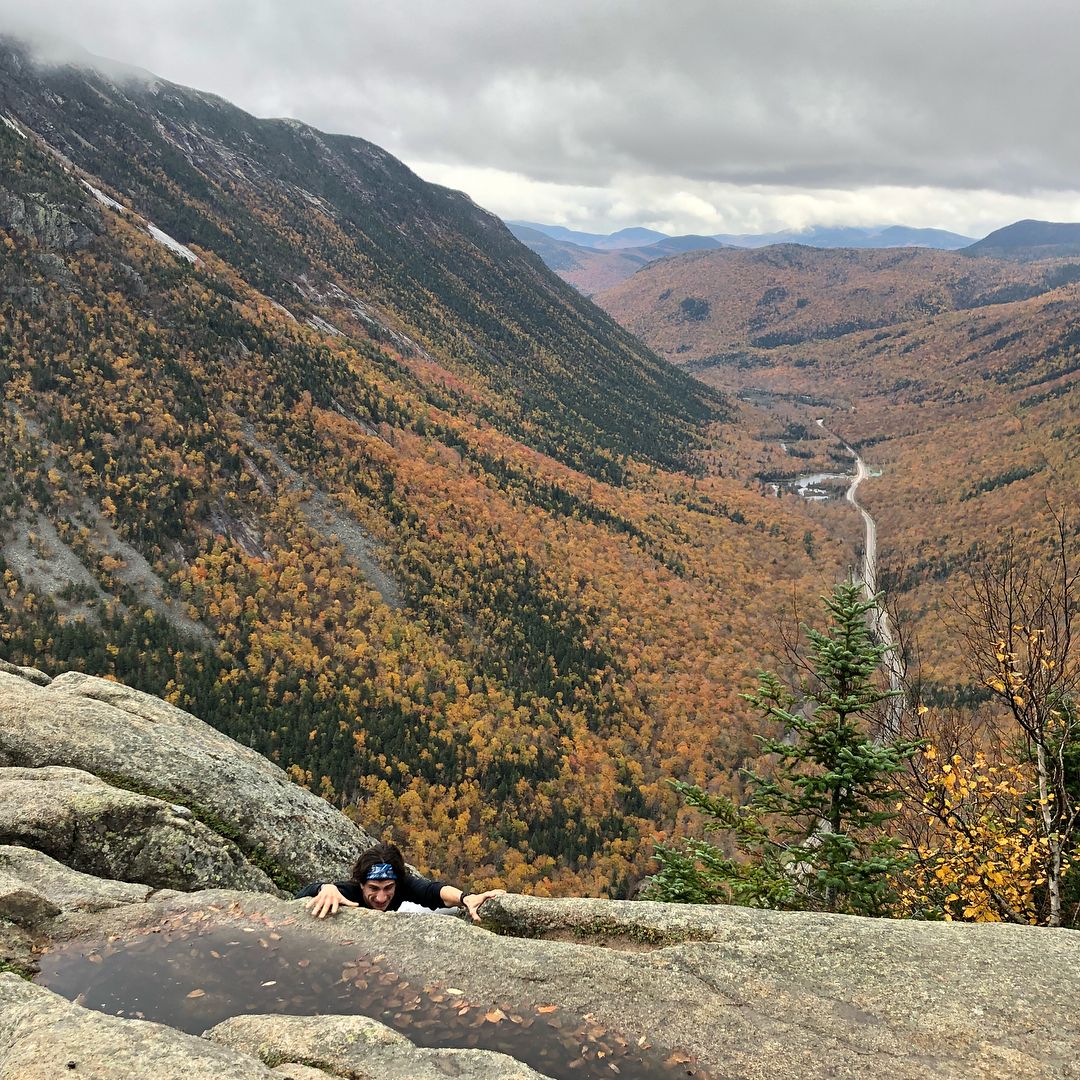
(345, 471)
(320, 453)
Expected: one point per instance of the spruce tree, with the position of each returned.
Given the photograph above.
(812, 834)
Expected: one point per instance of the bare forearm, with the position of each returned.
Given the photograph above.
(451, 896)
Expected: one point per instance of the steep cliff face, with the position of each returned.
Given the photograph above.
(335, 227)
(561, 988)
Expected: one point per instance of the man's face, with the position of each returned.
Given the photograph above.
(378, 894)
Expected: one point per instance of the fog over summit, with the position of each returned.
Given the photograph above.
(706, 118)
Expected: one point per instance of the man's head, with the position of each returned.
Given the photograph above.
(378, 872)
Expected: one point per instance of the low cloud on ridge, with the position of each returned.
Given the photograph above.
(700, 116)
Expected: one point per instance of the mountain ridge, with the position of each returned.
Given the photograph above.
(331, 228)
(1030, 239)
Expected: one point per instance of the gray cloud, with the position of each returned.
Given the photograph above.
(839, 95)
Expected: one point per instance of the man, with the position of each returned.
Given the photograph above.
(381, 881)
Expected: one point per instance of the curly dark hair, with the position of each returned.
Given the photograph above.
(380, 853)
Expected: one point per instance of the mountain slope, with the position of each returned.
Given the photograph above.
(300, 214)
(310, 523)
(701, 306)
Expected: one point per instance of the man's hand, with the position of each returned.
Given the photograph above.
(474, 901)
(327, 902)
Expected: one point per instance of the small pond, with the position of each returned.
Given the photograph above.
(204, 966)
(817, 486)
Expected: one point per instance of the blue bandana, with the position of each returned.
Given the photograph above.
(381, 872)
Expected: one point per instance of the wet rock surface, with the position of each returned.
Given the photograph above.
(136, 741)
(97, 829)
(762, 994)
(197, 966)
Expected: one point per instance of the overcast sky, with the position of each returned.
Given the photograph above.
(683, 115)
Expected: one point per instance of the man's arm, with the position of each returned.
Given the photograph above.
(452, 896)
(327, 897)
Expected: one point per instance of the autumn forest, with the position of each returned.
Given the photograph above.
(321, 453)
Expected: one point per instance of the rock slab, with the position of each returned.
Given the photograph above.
(98, 829)
(44, 1037)
(137, 741)
(358, 1048)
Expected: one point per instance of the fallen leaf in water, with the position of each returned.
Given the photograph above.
(303, 963)
(494, 1016)
(94, 958)
(275, 937)
(515, 1019)
(197, 994)
(454, 991)
(272, 982)
(546, 1008)
(215, 954)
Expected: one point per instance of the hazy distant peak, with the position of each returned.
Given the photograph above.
(820, 236)
(1030, 239)
(852, 236)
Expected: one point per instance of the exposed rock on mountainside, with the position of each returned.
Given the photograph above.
(38, 220)
(563, 989)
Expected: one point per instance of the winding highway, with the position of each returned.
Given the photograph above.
(893, 663)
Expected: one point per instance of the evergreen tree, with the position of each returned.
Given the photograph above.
(812, 834)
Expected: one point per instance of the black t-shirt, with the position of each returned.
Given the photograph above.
(413, 889)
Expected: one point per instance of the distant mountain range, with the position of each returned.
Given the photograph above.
(593, 262)
(822, 236)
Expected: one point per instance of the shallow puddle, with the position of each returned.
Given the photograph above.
(201, 968)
